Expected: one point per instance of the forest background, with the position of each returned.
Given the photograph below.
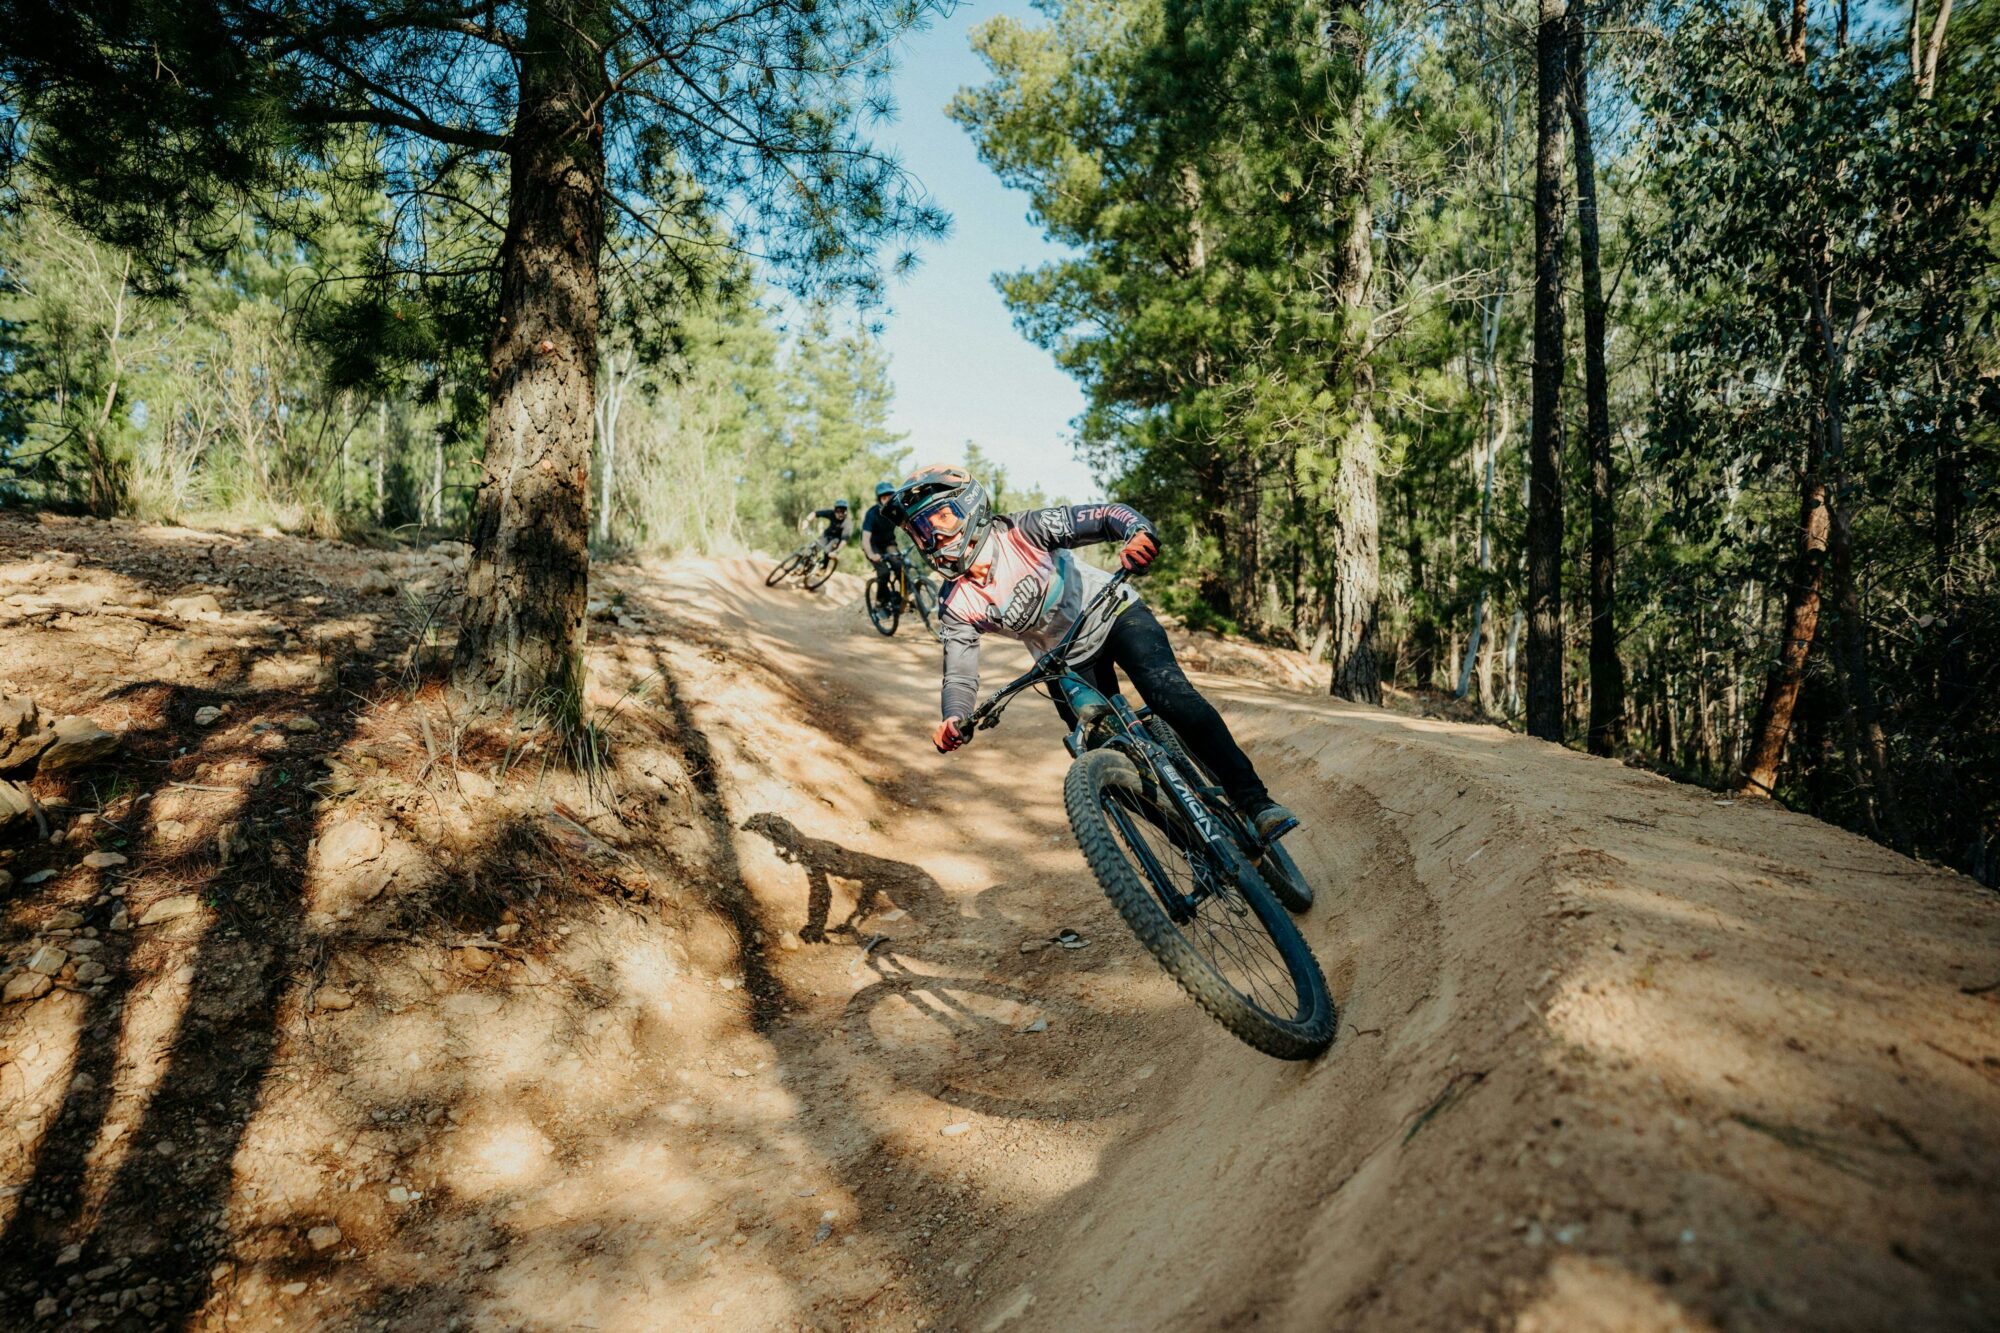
(1625, 371)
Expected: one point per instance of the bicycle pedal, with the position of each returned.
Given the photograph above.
(1271, 838)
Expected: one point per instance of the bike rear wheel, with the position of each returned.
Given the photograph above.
(1237, 953)
(1273, 862)
(821, 572)
(883, 616)
(786, 568)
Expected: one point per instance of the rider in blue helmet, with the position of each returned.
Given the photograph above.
(878, 542)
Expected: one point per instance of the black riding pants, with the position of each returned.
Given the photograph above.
(1139, 646)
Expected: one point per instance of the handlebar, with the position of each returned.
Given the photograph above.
(1047, 666)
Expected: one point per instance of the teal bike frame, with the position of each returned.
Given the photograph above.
(1110, 722)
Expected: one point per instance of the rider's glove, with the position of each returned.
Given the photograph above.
(948, 737)
(1138, 552)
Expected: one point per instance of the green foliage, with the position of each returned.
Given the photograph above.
(1800, 256)
(831, 438)
(284, 386)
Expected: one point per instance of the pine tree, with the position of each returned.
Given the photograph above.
(154, 122)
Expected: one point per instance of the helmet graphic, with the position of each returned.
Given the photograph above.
(947, 514)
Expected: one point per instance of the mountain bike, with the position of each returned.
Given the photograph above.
(813, 563)
(1181, 865)
(907, 588)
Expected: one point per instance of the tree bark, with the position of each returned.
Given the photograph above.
(1545, 518)
(1357, 575)
(1795, 40)
(521, 632)
(1781, 686)
(1357, 515)
(1607, 674)
(1424, 633)
(1924, 55)
(1356, 583)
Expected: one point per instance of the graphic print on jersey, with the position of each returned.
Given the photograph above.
(1024, 605)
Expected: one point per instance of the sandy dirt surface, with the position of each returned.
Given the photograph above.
(757, 1025)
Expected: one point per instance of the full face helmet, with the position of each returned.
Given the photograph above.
(947, 514)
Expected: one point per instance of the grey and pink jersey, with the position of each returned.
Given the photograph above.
(1029, 587)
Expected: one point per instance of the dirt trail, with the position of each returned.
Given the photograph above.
(1613, 1051)
(760, 1027)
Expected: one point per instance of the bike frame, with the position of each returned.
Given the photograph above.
(1111, 722)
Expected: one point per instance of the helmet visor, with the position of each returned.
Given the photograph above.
(937, 526)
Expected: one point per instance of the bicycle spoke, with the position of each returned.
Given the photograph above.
(1223, 929)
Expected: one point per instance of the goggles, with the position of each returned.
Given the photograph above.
(935, 527)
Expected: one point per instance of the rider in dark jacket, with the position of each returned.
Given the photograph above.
(839, 526)
(878, 540)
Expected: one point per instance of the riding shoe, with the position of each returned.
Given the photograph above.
(1272, 821)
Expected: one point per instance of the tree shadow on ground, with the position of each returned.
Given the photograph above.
(134, 1171)
(160, 1224)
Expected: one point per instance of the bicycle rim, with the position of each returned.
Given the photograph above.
(1224, 932)
(820, 573)
(784, 570)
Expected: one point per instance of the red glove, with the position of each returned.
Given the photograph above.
(1138, 552)
(948, 737)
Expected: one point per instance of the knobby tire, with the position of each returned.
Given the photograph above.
(883, 618)
(786, 568)
(1102, 778)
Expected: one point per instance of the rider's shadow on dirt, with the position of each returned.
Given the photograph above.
(877, 879)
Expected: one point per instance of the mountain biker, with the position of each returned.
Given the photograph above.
(838, 526)
(1013, 574)
(878, 540)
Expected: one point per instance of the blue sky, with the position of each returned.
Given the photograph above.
(961, 371)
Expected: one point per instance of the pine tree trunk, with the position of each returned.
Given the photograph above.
(1606, 730)
(1512, 656)
(1781, 686)
(521, 632)
(1357, 515)
(1545, 518)
(1357, 575)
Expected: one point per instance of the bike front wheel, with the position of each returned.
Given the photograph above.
(821, 572)
(786, 568)
(926, 603)
(1203, 913)
(882, 615)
